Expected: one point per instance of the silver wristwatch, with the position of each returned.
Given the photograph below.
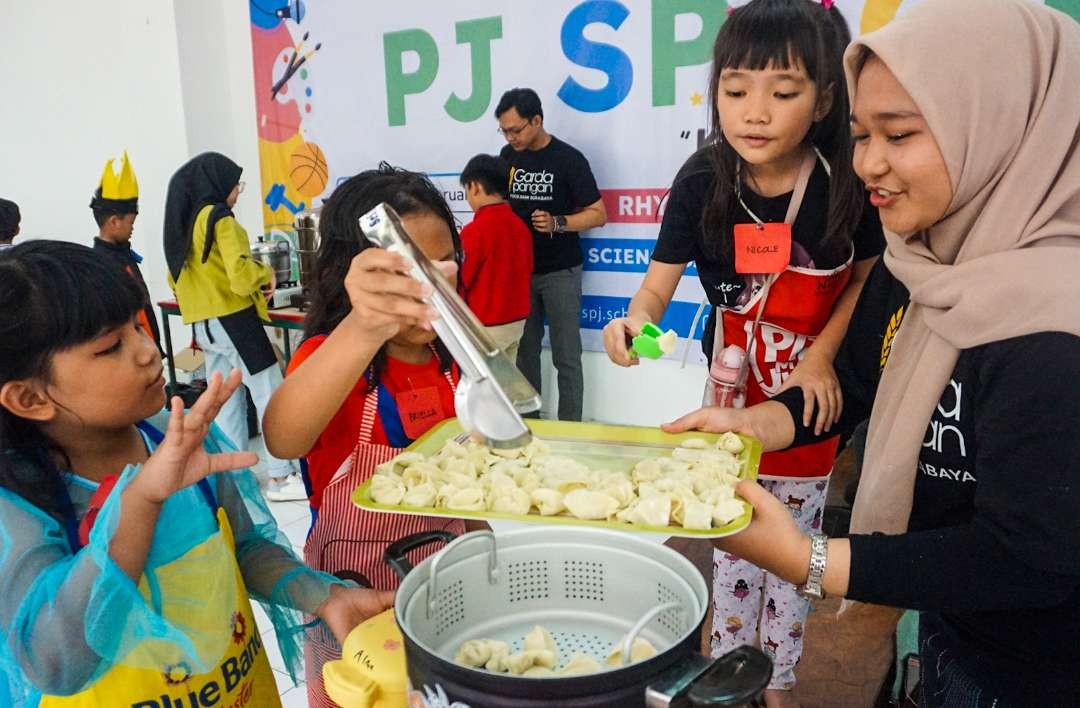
(819, 556)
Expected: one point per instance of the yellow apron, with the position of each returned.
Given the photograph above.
(242, 677)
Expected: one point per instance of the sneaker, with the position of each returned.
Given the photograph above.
(290, 488)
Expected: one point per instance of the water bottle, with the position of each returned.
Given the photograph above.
(727, 378)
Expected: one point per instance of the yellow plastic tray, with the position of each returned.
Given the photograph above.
(611, 447)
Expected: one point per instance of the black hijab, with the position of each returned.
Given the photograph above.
(208, 178)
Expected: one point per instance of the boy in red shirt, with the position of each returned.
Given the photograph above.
(498, 254)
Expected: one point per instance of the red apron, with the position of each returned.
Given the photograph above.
(799, 305)
(347, 538)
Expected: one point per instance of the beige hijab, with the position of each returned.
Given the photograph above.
(997, 81)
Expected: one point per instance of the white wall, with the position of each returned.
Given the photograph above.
(168, 79)
(84, 82)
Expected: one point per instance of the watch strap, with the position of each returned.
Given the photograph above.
(819, 556)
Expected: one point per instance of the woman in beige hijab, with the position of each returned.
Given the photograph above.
(966, 117)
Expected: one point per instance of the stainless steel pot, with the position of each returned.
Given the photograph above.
(306, 224)
(590, 588)
(277, 255)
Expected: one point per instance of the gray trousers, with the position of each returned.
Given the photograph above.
(556, 297)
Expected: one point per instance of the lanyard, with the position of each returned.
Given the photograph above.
(391, 419)
(801, 182)
(71, 523)
(805, 170)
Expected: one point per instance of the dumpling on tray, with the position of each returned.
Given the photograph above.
(585, 504)
(386, 489)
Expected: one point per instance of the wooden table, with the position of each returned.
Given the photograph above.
(285, 318)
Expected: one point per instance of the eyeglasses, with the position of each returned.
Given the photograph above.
(513, 132)
(240, 187)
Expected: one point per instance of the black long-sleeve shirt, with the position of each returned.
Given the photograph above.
(993, 543)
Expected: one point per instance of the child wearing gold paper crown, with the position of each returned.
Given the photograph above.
(115, 205)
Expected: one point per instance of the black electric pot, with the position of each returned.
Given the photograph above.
(676, 676)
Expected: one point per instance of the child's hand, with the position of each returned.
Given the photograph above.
(773, 540)
(616, 334)
(180, 460)
(347, 607)
(816, 377)
(713, 419)
(384, 298)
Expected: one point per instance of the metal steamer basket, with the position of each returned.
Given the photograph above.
(591, 588)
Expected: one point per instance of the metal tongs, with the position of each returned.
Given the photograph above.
(492, 393)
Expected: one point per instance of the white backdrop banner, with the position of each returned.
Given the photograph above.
(342, 85)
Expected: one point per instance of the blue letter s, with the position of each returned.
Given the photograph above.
(595, 55)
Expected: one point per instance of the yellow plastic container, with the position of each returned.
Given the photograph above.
(371, 672)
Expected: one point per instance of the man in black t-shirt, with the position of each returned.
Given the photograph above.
(553, 190)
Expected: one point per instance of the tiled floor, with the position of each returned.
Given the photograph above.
(293, 518)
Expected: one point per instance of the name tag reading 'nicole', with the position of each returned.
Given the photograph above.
(762, 248)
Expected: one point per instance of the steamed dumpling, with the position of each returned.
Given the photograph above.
(686, 454)
(697, 515)
(540, 639)
(510, 500)
(468, 499)
(619, 487)
(728, 510)
(650, 511)
(421, 495)
(647, 471)
(547, 501)
(527, 480)
(731, 443)
(524, 660)
(640, 650)
(500, 652)
(510, 453)
(397, 465)
(538, 672)
(694, 444)
(475, 653)
(585, 504)
(387, 490)
(581, 664)
(420, 473)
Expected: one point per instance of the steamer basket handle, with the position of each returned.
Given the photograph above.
(395, 553)
(628, 640)
(433, 578)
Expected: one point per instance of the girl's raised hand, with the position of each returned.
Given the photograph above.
(817, 378)
(180, 460)
(384, 298)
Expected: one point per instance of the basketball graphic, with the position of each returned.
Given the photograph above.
(308, 171)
